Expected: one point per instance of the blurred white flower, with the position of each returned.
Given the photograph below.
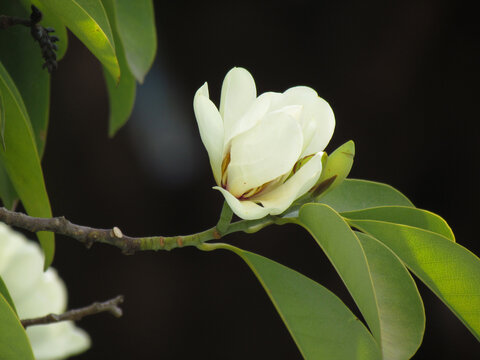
(38, 293)
(265, 151)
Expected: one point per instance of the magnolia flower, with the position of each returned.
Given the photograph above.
(265, 151)
(38, 293)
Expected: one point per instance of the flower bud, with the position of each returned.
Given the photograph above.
(265, 151)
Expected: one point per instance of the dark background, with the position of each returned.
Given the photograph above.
(403, 83)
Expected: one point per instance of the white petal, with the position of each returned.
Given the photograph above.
(47, 295)
(37, 293)
(244, 209)
(324, 120)
(57, 341)
(210, 125)
(295, 111)
(203, 90)
(254, 114)
(10, 242)
(318, 121)
(265, 152)
(238, 94)
(23, 267)
(279, 199)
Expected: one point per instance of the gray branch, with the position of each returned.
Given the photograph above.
(62, 226)
(76, 314)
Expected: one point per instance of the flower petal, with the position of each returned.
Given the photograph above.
(244, 209)
(265, 152)
(37, 293)
(210, 125)
(253, 115)
(22, 266)
(318, 121)
(47, 295)
(57, 341)
(279, 199)
(238, 94)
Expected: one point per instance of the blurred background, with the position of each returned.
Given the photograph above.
(402, 79)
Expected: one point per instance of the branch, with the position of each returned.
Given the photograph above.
(88, 236)
(39, 34)
(128, 245)
(8, 21)
(76, 314)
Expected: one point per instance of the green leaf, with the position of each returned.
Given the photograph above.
(7, 191)
(2, 120)
(378, 282)
(402, 315)
(320, 324)
(136, 27)
(14, 343)
(6, 295)
(88, 21)
(121, 95)
(49, 20)
(448, 269)
(24, 64)
(21, 160)
(338, 166)
(419, 218)
(356, 194)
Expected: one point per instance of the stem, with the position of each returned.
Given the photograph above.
(225, 218)
(76, 314)
(250, 226)
(129, 245)
(7, 21)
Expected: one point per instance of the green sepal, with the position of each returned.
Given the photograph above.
(335, 171)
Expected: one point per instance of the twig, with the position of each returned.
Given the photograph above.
(7, 21)
(76, 314)
(39, 34)
(115, 237)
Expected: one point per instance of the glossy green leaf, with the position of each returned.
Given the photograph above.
(138, 34)
(2, 121)
(24, 64)
(337, 168)
(345, 252)
(121, 95)
(419, 218)
(7, 191)
(448, 269)
(50, 20)
(88, 21)
(378, 282)
(14, 343)
(401, 312)
(320, 324)
(356, 194)
(6, 295)
(21, 160)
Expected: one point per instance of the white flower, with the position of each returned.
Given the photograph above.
(37, 293)
(265, 151)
